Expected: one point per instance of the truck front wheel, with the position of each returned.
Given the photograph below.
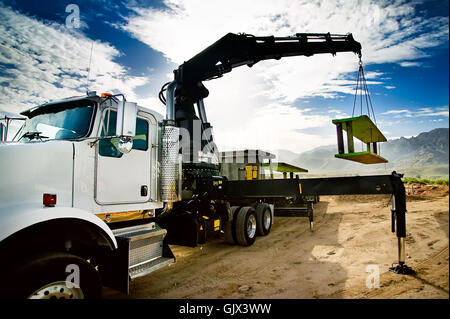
(54, 276)
(245, 226)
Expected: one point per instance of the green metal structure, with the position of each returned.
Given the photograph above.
(366, 131)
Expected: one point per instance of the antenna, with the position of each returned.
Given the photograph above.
(89, 68)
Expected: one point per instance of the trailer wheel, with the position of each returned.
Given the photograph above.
(230, 227)
(246, 226)
(263, 219)
(54, 276)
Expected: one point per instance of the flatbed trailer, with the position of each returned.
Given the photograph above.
(264, 190)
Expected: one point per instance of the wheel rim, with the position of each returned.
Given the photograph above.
(267, 219)
(58, 290)
(251, 226)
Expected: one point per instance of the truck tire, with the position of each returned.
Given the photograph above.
(263, 219)
(245, 227)
(229, 227)
(51, 276)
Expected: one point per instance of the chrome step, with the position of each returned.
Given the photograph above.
(149, 266)
(142, 247)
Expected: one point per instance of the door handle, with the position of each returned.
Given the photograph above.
(144, 190)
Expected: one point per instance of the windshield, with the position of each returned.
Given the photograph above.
(65, 124)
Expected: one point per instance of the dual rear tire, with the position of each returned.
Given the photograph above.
(263, 218)
(247, 223)
(245, 229)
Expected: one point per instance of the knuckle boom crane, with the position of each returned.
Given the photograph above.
(236, 201)
(234, 50)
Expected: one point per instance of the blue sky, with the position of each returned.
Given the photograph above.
(286, 104)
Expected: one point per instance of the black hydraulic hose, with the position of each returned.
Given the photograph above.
(161, 96)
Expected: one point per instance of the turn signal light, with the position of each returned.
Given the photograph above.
(49, 200)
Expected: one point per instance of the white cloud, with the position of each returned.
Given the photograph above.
(339, 113)
(396, 112)
(388, 32)
(420, 112)
(48, 61)
(410, 64)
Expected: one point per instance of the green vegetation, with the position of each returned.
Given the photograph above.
(425, 181)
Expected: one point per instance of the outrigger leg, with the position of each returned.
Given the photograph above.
(398, 218)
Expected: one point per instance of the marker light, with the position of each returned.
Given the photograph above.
(49, 200)
(105, 95)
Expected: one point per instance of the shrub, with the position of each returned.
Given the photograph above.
(425, 181)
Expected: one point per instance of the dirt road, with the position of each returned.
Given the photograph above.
(351, 232)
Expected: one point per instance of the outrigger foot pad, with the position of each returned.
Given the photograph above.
(402, 269)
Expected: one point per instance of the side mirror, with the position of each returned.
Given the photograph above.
(126, 125)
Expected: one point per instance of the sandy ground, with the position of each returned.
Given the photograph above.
(351, 232)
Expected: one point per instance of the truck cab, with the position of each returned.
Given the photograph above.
(103, 178)
(70, 186)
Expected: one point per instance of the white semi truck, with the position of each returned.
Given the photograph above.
(93, 189)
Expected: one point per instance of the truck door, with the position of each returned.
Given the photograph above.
(123, 178)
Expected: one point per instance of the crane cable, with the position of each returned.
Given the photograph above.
(361, 87)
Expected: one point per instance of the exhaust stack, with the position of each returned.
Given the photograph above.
(170, 160)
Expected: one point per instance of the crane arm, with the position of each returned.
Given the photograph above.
(234, 50)
(231, 51)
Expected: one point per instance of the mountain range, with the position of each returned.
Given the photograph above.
(424, 155)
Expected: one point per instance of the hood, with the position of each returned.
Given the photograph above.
(28, 170)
